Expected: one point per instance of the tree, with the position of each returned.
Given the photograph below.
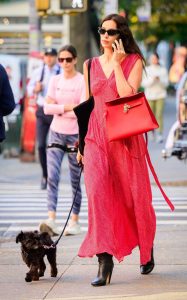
(168, 21)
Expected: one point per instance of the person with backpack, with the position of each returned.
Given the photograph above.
(37, 86)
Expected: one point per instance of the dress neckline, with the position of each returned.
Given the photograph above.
(107, 78)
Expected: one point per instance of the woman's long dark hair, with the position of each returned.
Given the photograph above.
(126, 36)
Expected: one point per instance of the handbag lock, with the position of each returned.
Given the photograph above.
(126, 108)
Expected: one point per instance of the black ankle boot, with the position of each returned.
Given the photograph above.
(105, 269)
(148, 268)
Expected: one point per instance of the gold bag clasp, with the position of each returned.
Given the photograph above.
(126, 108)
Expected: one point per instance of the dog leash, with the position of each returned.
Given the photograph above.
(71, 149)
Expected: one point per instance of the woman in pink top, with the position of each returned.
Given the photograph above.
(65, 91)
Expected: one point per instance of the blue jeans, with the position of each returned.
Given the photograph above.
(54, 161)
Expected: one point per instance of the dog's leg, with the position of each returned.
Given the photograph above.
(28, 277)
(34, 272)
(51, 256)
(42, 268)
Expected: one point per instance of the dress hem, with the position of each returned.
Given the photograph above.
(119, 259)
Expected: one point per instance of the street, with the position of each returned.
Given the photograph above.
(23, 207)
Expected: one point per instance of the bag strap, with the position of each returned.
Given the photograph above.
(158, 182)
(89, 68)
(156, 177)
(42, 73)
(58, 70)
(153, 172)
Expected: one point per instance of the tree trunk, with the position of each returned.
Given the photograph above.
(80, 37)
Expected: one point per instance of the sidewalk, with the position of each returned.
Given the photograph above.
(167, 281)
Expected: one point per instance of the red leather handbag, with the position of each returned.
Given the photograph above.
(129, 116)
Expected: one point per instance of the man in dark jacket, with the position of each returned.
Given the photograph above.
(7, 103)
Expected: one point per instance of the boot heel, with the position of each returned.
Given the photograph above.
(105, 270)
(109, 277)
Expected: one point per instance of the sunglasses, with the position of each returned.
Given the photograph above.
(67, 59)
(110, 32)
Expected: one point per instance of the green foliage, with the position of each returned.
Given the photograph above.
(168, 20)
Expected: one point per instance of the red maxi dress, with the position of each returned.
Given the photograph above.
(120, 211)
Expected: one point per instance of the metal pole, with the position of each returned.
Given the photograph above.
(34, 28)
(66, 30)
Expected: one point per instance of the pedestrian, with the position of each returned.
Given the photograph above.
(155, 83)
(176, 131)
(37, 86)
(7, 102)
(120, 211)
(65, 91)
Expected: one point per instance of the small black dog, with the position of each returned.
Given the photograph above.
(33, 253)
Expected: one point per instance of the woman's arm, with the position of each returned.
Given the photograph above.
(85, 72)
(125, 87)
(51, 107)
(59, 109)
(80, 158)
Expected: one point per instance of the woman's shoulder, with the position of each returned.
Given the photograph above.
(57, 77)
(131, 59)
(79, 76)
(134, 57)
(93, 60)
(55, 80)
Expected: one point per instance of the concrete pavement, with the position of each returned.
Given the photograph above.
(167, 281)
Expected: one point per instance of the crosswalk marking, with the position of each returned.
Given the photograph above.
(23, 208)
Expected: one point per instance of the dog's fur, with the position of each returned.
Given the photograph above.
(33, 253)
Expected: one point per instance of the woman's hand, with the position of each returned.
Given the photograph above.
(119, 52)
(80, 158)
(38, 87)
(50, 100)
(69, 107)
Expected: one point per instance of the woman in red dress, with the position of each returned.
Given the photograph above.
(120, 212)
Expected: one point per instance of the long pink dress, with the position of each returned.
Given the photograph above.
(120, 211)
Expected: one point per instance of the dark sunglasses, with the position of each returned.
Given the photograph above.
(67, 59)
(110, 32)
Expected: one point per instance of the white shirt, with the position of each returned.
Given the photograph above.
(155, 88)
(48, 73)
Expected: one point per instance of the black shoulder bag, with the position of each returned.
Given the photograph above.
(83, 112)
